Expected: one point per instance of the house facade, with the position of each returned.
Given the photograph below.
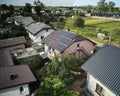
(97, 88)
(59, 44)
(37, 31)
(22, 90)
(103, 72)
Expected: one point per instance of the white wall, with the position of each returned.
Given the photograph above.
(91, 85)
(37, 38)
(15, 91)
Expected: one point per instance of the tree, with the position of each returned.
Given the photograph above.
(36, 63)
(111, 6)
(27, 7)
(102, 6)
(78, 22)
(38, 6)
(11, 7)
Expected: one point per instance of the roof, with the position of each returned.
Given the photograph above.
(104, 65)
(5, 59)
(23, 73)
(60, 39)
(34, 28)
(12, 41)
(25, 21)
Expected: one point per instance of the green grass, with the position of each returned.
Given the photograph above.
(91, 24)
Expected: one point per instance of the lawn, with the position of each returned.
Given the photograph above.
(91, 26)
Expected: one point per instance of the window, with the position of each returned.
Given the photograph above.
(99, 90)
(42, 37)
(21, 89)
(46, 30)
(78, 47)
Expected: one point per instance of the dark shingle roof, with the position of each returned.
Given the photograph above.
(104, 65)
(60, 39)
(12, 41)
(23, 72)
(34, 28)
(5, 59)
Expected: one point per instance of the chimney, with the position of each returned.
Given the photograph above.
(12, 75)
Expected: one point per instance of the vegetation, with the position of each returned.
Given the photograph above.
(78, 22)
(55, 78)
(94, 26)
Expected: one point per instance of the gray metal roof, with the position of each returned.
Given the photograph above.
(5, 59)
(25, 21)
(23, 76)
(12, 41)
(60, 39)
(104, 65)
(34, 28)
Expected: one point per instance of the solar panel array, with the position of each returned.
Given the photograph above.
(64, 40)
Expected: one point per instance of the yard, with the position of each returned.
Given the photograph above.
(94, 26)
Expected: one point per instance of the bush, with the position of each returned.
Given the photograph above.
(78, 22)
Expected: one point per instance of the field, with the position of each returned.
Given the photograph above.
(94, 26)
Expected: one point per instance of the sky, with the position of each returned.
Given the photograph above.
(58, 2)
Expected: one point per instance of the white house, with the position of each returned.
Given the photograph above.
(103, 72)
(14, 80)
(37, 31)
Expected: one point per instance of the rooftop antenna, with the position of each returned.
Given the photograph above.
(110, 39)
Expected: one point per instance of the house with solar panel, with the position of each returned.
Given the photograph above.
(64, 43)
(14, 79)
(37, 31)
(103, 72)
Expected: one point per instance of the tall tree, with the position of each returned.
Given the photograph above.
(38, 7)
(102, 6)
(27, 7)
(111, 6)
(11, 7)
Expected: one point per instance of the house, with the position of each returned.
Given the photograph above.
(37, 31)
(65, 42)
(25, 21)
(12, 43)
(103, 72)
(14, 79)
(9, 20)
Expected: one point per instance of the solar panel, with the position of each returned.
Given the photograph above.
(68, 35)
(60, 47)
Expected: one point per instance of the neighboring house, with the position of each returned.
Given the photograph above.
(9, 20)
(103, 72)
(15, 80)
(12, 43)
(25, 21)
(65, 42)
(37, 31)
